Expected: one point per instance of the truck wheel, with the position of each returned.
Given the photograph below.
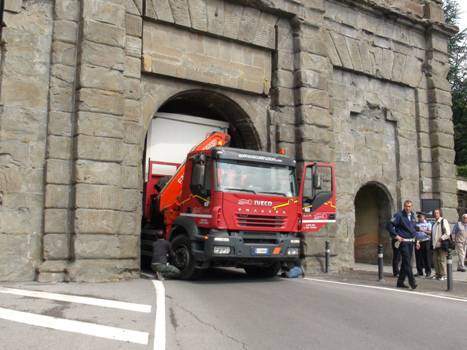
(184, 260)
(263, 271)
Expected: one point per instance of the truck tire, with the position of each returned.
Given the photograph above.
(184, 260)
(263, 271)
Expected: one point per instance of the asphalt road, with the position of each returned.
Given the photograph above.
(104, 321)
(227, 310)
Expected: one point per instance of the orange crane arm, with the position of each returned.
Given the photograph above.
(169, 194)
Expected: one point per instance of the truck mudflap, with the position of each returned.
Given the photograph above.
(239, 248)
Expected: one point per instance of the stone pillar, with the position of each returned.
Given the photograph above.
(282, 113)
(314, 135)
(313, 69)
(102, 246)
(25, 65)
(440, 113)
(134, 131)
(59, 156)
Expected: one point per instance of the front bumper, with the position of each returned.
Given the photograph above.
(245, 248)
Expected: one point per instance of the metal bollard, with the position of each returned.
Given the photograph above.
(326, 257)
(449, 270)
(380, 262)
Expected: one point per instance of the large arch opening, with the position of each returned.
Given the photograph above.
(372, 211)
(213, 105)
(189, 115)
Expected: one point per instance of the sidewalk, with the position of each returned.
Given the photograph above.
(457, 276)
(366, 274)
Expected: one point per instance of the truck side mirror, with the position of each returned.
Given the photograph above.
(317, 181)
(197, 177)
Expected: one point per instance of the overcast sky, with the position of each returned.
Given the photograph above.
(463, 19)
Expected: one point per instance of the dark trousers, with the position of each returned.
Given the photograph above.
(423, 258)
(396, 258)
(166, 270)
(406, 249)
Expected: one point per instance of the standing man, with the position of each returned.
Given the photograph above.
(440, 232)
(423, 255)
(402, 228)
(459, 235)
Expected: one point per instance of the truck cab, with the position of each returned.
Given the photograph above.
(223, 206)
(237, 208)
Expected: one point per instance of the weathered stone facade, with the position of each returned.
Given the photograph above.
(357, 82)
(462, 196)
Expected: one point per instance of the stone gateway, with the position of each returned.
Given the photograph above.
(358, 83)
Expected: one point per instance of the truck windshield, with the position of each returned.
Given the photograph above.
(255, 178)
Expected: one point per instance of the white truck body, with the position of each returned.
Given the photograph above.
(171, 136)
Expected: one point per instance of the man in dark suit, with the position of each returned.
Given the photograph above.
(402, 228)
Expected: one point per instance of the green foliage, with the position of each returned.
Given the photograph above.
(457, 76)
(462, 171)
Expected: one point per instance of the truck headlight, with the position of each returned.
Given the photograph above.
(292, 251)
(294, 241)
(221, 250)
(221, 239)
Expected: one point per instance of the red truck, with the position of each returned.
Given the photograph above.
(236, 207)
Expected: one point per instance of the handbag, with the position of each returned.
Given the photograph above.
(446, 244)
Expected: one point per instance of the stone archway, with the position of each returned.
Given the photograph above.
(207, 105)
(373, 205)
(213, 105)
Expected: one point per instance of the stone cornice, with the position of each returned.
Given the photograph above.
(297, 7)
(373, 6)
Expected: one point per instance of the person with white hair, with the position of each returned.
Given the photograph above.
(459, 236)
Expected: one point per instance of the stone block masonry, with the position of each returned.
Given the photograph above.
(24, 88)
(358, 83)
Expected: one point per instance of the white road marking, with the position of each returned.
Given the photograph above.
(78, 299)
(62, 324)
(388, 289)
(159, 327)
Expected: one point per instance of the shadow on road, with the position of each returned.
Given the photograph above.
(230, 275)
(225, 276)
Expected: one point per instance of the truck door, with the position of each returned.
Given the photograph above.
(317, 196)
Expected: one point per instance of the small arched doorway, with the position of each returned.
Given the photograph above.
(372, 211)
(194, 110)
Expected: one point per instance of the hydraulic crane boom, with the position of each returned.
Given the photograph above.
(169, 194)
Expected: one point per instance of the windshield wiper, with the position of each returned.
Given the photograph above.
(272, 192)
(239, 189)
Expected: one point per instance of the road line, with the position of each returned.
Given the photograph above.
(388, 289)
(159, 326)
(87, 328)
(79, 300)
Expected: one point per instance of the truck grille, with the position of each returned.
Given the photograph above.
(260, 240)
(246, 220)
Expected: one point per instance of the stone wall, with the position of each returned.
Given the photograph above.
(462, 196)
(360, 83)
(25, 74)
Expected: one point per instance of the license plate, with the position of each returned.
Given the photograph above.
(261, 251)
